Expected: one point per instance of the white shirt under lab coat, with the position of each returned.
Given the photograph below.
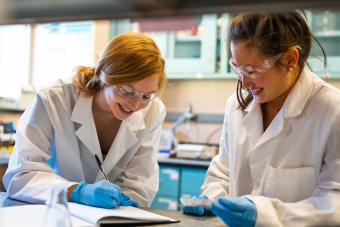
(56, 142)
(292, 170)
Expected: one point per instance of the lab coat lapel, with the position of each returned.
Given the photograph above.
(274, 129)
(252, 123)
(300, 94)
(125, 139)
(87, 133)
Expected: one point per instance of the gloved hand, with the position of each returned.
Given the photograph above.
(240, 211)
(199, 211)
(126, 201)
(100, 194)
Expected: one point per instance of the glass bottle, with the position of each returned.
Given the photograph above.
(57, 213)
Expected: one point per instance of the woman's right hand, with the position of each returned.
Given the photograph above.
(100, 194)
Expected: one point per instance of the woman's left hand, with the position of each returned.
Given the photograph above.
(240, 211)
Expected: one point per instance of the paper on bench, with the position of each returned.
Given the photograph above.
(94, 214)
(30, 216)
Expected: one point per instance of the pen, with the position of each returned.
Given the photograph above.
(100, 166)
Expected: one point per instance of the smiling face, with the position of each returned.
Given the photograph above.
(122, 106)
(272, 85)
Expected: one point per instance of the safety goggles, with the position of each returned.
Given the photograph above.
(254, 71)
(130, 93)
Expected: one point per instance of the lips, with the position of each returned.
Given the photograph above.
(256, 91)
(124, 109)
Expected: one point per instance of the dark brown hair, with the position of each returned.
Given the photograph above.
(271, 34)
(128, 58)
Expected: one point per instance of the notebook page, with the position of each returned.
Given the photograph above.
(93, 214)
(30, 216)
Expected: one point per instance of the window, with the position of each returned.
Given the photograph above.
(14, 59)
(59, 48)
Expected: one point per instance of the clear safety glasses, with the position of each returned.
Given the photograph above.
(128, 92)
(254, 71)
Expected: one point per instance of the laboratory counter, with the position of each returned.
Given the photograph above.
(185, 220)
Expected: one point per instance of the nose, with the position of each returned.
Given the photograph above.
(246, 81)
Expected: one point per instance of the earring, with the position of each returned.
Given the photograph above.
(290, 68)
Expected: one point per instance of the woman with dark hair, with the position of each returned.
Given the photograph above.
(279, 158)
(110, 114)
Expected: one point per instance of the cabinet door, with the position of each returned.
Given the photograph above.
(165, 202)
(325, 25)
(194, 54)
(191, 180)
(169, 181)
(187, 53)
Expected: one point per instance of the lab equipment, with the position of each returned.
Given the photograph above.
(166, 142)
(186, 116)
(100, 194)
(195, 151)
(57, 213)
(235, 212)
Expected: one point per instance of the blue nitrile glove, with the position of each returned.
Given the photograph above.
(100, 194)
(126, 201)
(199, 211)
(240, 211)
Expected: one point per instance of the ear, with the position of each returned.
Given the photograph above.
(291, 57)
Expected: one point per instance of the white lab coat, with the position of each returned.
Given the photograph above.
(292, 170)
(56, 141)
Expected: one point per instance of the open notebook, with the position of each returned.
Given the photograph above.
(122, 215)
(82, 216)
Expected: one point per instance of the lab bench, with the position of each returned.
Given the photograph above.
(178, 177)
(185, 220)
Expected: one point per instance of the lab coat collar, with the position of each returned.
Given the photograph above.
(300, 93)
(87, 133)
(136, 121)
(82, 110)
